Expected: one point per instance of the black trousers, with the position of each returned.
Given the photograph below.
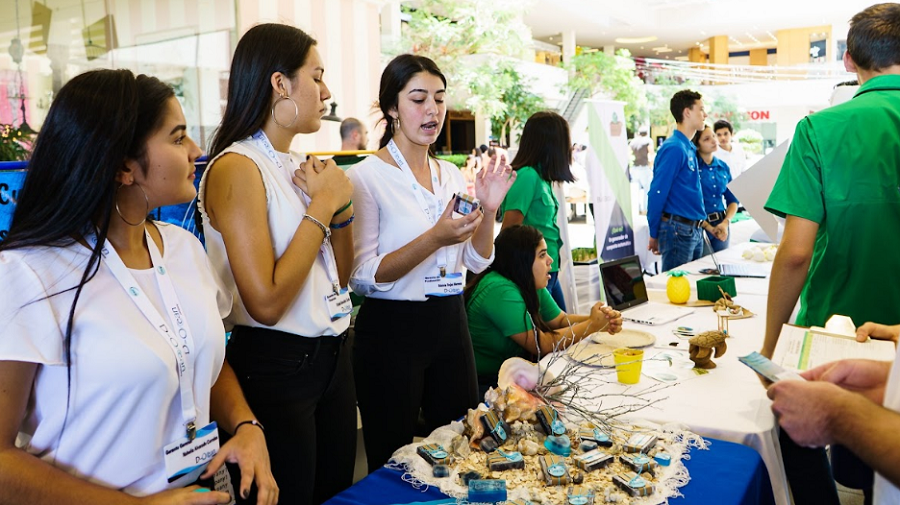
(302, 390)
(410, 356)
(808, 473)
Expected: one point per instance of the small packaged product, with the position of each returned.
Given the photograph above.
(640, 442)
(434, 454)
(499, 460)
(640, 463)
(550, 422)
(554, 470)
(596, 435)
(633, 484)
(593, 460)
(495, 426)
(579, 495)
(465, 204)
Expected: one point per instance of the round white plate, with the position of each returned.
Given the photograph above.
(625, 338)
(596, 355)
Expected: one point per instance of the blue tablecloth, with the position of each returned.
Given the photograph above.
(726, 474)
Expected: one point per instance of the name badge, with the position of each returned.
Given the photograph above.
(188, 458)
(447, 285)
(339, 304)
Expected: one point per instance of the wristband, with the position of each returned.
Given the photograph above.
(254, 422)
(344, 224)
(345, 207)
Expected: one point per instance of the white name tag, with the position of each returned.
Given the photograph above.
(339, 304)
(448, 285)
(188, 459)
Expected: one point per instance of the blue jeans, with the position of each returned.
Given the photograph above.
(718, 245)
(679, 244)
(555, 290)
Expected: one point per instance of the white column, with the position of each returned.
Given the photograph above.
(568, 45)
(390, 22)
(482, 129)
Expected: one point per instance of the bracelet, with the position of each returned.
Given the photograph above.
(254, 422)
(345, 207)
(345, 223)
(325, 230)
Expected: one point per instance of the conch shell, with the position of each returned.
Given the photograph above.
(520, 372)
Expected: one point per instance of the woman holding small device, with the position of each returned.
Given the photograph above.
(511, 313)
(100, 401)
(544, 158)
(412, 347)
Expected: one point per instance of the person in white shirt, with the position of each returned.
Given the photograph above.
(111, 339)
(412, 347)
(730, 151)
(640, 170)
(280, 235)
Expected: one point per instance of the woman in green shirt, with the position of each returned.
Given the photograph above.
(544, 157)
(509, 299)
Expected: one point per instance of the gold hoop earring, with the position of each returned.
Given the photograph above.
(146, 200)
(296, 111)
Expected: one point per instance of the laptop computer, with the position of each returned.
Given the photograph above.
(623, 283)
(736, 270)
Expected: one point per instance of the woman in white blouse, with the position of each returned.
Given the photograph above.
(111, 337)
(412, 348)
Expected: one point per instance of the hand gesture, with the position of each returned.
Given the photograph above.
(248, 449)
(653, 246)
(493, 182)
(615, 320)
(186, 496)
(867, 377)
(805, 409)
(878, 332)
(449, 231)
(721, 230)
(324, 182)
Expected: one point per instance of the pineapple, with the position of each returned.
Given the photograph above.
(678, 289)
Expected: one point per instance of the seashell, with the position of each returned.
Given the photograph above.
(528, 447)
(520, 372)
(460, 446)
(748, 254)
(512, 413)
(474, 425)
(770, 254)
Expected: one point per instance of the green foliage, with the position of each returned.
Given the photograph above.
(520, 103)
(14, 143)
(613, 75)
(450, 32)
(717, 104)
(724, 106)
(751, 140)
(457, 159)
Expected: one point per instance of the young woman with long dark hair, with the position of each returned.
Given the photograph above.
(544, 157)
(279, 232)
(412, 346)
(719, 202)
(112, 341)
(511, 313)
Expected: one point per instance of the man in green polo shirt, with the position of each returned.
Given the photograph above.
(838, 190)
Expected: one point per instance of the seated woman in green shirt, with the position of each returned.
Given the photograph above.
(509, 299)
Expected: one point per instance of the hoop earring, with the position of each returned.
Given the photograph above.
(396, 123)
(296, 111)
(146, 200)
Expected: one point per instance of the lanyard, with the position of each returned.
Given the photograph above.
(422, 197)
(325, 250)
(181, 341)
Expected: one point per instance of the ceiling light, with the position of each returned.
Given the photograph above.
(754, 39)
(662, 49)
(635, 40)
(773, 37)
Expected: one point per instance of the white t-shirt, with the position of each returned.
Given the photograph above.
(885, 492)
(736, 159)
(125, 404)
(388, 217)
(308, 314)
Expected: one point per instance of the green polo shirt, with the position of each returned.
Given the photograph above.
(534, 198)
(496, 311)
(842, 171)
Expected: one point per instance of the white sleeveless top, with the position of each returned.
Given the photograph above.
(308, 314)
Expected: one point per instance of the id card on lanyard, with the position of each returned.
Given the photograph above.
(191, 452)
(338, 300)
(441, 282)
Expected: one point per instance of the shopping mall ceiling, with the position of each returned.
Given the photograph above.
(681, 24)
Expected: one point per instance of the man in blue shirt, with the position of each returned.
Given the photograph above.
(675, 201)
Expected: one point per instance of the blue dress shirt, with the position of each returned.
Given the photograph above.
(676, 183)
(714, 179)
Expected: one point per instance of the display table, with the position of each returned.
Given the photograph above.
(728, 403)
(726, 474)
(744, 285)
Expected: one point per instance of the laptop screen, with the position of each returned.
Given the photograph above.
(623, 282)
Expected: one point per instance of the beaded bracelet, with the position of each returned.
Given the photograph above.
(254, 422)
(345, 207)
(344, 224)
